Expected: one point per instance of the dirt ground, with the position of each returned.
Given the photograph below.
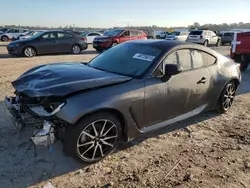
(214, 151)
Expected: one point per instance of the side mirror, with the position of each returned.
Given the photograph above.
(170, 70)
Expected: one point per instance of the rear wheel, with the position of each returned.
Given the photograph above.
(93, 138)
(244, 62)
(76, 49)
(226, 98)
(218, 43)
(5, 38)
(205, 43)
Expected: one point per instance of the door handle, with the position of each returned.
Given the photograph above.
(202, 80)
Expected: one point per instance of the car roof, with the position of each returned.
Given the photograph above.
(166, 45)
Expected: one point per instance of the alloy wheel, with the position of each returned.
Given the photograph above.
(29, 52)
(97, 140)
(76, 49)
(229, 96)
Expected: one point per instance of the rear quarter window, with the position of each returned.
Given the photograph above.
(208, 59)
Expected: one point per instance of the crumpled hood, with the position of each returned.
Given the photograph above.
(60, 79)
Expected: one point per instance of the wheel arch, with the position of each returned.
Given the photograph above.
(31, 47)
(118, 114)
(233, 79)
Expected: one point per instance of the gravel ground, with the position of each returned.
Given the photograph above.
(212, 152)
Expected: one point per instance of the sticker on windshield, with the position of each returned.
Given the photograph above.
(144, 57)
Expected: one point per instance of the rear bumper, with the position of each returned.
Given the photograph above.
(84, 46)
(195, 41)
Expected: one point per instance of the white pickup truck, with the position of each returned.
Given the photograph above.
(13, 33)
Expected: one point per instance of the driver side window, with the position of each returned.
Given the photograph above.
(170, 59)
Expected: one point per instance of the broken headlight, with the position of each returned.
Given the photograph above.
(47, 110)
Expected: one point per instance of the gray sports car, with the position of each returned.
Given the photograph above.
(127, 91)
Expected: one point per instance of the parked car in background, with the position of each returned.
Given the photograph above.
(30, 34)
(90, 36)
(117, 36)
(240, 49)
(180, 35)
(227, 37)
(48, 42)
(4, 30)
(13, 34)
(151, 34)
(161, 34)
(125, 92)
(204, 37)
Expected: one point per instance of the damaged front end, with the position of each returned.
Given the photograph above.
(38, 113)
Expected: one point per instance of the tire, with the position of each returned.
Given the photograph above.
(222, 43)
(4, 38)
(227, 94)
(90, 139)
(205, 43)
(218, 43)
(114, 44)
(244, 63)
(75, 49)
(29, 51)
(99, 50)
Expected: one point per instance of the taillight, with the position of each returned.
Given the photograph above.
(84, 39)
(201, 37)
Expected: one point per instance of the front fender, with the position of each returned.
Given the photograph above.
(119, 97)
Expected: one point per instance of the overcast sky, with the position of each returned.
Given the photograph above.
(109, 13)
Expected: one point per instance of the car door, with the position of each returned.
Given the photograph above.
(47, 43)
(202, 78)
(15, 33)
(166, 100)
(91, 37)
(125, 36)
(64, 42)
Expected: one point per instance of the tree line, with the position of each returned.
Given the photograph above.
(213, 27)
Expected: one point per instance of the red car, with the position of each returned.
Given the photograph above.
(115, 37)
(240, 49)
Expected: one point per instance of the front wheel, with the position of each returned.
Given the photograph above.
(226, 98)
(99, 50)
(5, 38)
(114, 44)
(29, 52)
(93, 138)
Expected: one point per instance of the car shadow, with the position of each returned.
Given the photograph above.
(20, 167)
(88, 52)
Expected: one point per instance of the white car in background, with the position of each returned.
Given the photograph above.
(30, 34)
(13, 34)
(89, 36)
(180, 35)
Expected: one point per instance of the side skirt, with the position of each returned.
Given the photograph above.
(192, 113)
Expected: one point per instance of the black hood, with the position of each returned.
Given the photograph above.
(60, 79)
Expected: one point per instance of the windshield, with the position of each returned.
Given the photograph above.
(36, 34)
(175, 33)
(127, 59)
(114, 32)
